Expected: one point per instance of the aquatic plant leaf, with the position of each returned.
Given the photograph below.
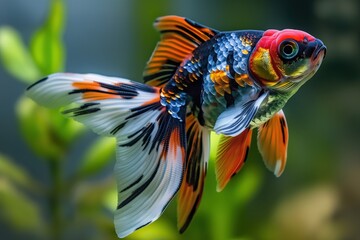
(47, 47)
(15, 57)
(65, 128)
(47, 132)
(110, 198)
(17, 175)
(18, 210)
(247, 186)
(160, 229)
(100, 153)
(91, 196)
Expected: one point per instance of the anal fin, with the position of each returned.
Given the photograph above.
(195, 171)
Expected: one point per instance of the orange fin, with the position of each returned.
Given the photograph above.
(196, 165)
(272, 142)
(179, 37)
(231, 156)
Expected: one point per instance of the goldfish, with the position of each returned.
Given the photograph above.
(197, 80)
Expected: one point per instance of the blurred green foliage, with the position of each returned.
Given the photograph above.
(15, 56)
(47, 48)
(78, 203)
(13, 180)
(50, 136)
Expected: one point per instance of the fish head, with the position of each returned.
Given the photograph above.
(284, 60)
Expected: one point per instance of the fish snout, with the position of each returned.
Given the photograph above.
(320, 49)
(318, 52)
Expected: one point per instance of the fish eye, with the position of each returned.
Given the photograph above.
(288, 49)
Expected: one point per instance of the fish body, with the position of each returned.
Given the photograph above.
(218, 69)
(198, 80)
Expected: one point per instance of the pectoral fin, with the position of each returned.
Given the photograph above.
(272, 142)
(237, 118)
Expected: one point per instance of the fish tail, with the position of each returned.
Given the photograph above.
(150, 141)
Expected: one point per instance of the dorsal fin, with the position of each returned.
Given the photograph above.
(179, 37)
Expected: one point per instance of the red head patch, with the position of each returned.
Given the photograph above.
(276, 50)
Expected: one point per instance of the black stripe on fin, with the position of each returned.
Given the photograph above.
(143, 225)
(140, 189)
(37, 82)
(86, 108)
(133, 183)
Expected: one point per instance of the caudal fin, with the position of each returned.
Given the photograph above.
(150, 142)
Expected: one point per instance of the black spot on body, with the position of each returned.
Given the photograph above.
(230, 100)
(230, 63)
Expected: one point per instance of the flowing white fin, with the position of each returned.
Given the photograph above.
(150, 142)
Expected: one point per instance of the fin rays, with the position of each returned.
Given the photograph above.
(272, 140)
(150, 142)
(231, 156)
(179, 37)
(192, 186)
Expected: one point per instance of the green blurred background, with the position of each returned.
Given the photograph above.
(56, 177)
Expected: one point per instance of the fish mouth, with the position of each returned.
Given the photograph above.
(320, 50)
(316, 52)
